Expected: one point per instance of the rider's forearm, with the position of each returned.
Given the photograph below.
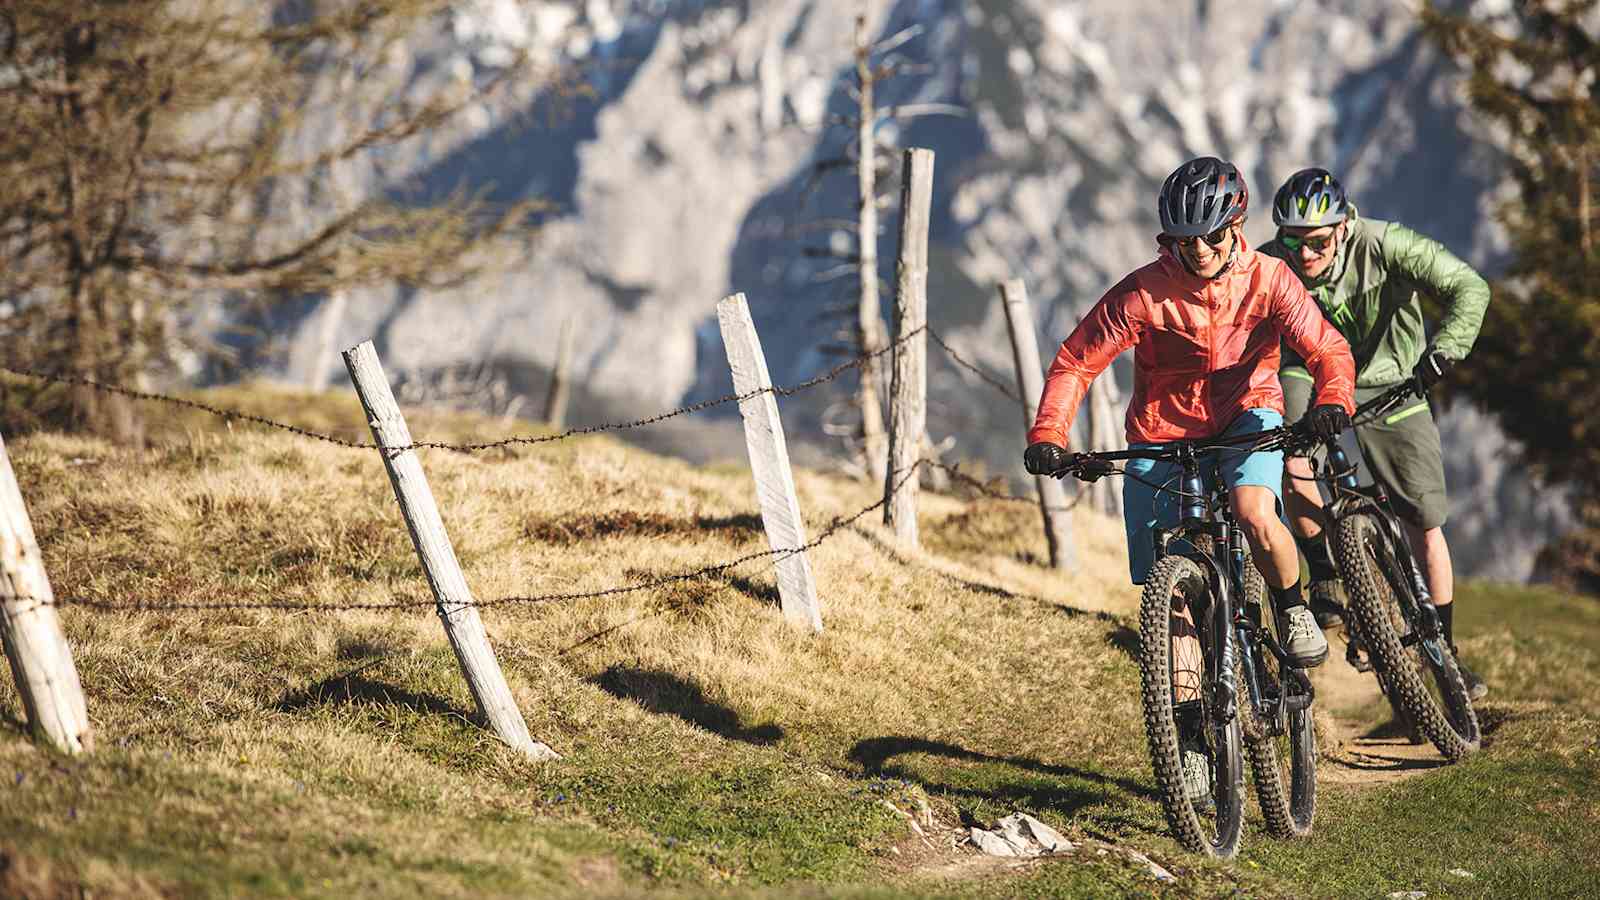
(1064, 387)
(1325, 351)
(1463, 317)
(1106, 331)
(1463, 292)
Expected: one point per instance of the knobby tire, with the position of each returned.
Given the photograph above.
(1283, 767)
(1359, 550)
(1176, 581)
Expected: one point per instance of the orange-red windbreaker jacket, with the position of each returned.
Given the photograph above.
(1206, 351)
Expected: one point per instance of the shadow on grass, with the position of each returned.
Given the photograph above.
(1053, 791)
(742, 525)
(766, 593)
(350, 689)
(979, 587)
(1366, 759)
(665, 693)
(1125, 639)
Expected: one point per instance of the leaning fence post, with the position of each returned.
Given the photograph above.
(555, 402)
(1030, 382)
(1104, 435)
(456, 609)
(769, 461)
(909, 387)
(30, 630)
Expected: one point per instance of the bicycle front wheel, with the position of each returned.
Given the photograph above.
(1430, 691)
(1175, 607)
(1283, 761)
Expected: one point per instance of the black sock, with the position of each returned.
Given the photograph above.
(1447, 620)
(1284, 598)
(1189, 716)
(1315, 550)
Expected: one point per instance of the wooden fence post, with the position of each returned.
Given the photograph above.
(909, 388)
(30, 630)
(555, 403)
(456, 609)
(769, 461)
(1104, 435)
(1030, 382)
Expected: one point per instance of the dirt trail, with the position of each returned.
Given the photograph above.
(1360, 750)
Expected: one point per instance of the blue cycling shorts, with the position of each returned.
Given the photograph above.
(1144, 508)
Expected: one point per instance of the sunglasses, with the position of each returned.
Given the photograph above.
(1317, 244)
(1215, 238)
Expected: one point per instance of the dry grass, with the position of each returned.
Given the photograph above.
(256, 729)
(707, 743)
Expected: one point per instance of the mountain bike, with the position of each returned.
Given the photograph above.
(1204, 587)
(1394, 616)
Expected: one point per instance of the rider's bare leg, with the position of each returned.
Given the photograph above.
(1434, 554)
(1301, 498)
(1271, 545)
(1187, 658)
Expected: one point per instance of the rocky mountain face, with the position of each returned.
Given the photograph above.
(690, 170)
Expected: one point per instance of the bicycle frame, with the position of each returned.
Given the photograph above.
(1208, 514)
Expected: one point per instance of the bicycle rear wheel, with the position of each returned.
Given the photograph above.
(1177, 593)
(1283, 766)
(1430, 691)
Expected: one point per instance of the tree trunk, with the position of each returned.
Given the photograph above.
(1583, 199)
(869, 324)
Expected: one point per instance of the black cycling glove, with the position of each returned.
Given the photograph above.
(1044, 458)
(1327, 420)
(1431, 368)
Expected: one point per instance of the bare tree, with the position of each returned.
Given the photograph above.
(873, 163)
(146, 141)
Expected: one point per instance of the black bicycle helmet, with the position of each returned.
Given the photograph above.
(1311, 198)
(1201, 196)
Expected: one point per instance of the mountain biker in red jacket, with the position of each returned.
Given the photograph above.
(1206, 319)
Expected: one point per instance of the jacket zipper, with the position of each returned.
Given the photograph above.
(1211, 355)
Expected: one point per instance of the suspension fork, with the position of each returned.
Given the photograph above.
(1244, 621)
(1226, 649)
(1424, 617)
(1195, 516)
(1343, 474)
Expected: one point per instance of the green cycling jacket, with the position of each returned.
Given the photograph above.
(1370, 295)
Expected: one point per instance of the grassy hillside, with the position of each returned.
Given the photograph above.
(707, 745)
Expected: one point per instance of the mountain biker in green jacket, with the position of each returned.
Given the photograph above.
(1366, 275)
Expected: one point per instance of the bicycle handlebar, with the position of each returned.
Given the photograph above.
(1281, 438)
(1391, 398)
(1270, 439)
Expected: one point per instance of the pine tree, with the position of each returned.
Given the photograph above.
(1532, 73)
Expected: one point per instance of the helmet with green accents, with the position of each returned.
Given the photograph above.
(1311, 198)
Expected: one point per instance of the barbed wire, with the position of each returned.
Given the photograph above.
(229, 415)
(984, 488)
(775, 390)
(993, 381)
(834, 526)
(236, 415)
